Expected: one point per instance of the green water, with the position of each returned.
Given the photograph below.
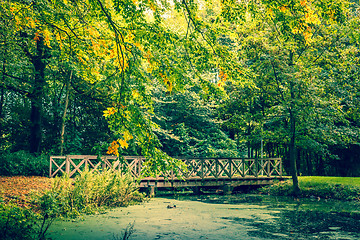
(220, 217)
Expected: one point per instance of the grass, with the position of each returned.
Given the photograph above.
(341, 188)
(312, 180)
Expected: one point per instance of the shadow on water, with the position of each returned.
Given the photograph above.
(303, 225)
(293, 218)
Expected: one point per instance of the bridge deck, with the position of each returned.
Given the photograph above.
(208, 182)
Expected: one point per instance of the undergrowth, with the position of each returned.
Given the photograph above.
(23, 163)
(90, 192)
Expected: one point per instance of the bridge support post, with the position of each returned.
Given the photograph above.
(196, 190)
(227, 189)
(150, 191)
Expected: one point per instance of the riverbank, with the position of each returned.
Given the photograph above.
(316, 187)
(18, 189)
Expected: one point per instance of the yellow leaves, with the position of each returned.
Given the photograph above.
(148, 56)
(109, 111)
(32, 24)
(93, 32)
(284, 8)
(223, 76)
(167, 82)
(307, 34)
(129, 38)
(127, 136)
(303, 3)
(123, 143)
(311, 17)
(138, 45)
(113, 148)
(220, 83)
(37, 36)
(47, 37)
(270, 12)
(135, 94)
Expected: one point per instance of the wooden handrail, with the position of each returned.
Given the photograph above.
(217, 168)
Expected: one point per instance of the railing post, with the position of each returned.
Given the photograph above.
(139, 165)
(103, 166)
(50, 170)
(269, 167)
(216, 168)
(243, 167)
(67, 165)
(86, 161)
(256, 166)
(230, 168)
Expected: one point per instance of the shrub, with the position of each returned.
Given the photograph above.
(16, 222)
(23, 163)
(89, 192)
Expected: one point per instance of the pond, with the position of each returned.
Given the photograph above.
(220, 217)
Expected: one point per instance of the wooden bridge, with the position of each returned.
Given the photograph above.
(201, 172)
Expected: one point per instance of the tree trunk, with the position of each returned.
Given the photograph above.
(2, 97)
(292, 146)
(292, 154)
(2, 100)
(64, 115)
(37, 97)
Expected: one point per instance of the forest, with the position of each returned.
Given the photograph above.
(183, 78)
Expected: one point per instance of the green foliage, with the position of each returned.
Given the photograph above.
(23, 163)
(276, 63)
(17, 223)
(88, 193)
(187, 127)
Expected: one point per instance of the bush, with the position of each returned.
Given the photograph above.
(23, 223)
(16, 222)
(90, 192)
(23, 163)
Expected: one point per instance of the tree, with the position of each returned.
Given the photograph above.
(284, 43)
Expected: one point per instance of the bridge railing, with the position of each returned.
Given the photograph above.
(233, 167)
(196, 167)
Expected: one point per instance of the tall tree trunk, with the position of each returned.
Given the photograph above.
(292, 146)
(64, 115)
(292, 155)
(2, 97)
(2, 100)
(37, 97)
